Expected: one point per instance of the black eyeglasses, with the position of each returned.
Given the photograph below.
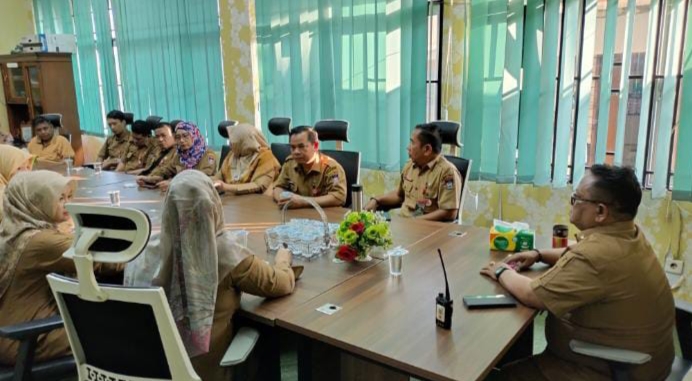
(574, 199)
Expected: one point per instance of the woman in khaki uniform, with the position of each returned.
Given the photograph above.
(205, 292)
(251, 167)
(193, 153)
(12, 160)
(31, 246)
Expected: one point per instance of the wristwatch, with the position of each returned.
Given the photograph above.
(499, 272)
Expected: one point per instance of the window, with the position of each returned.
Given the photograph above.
(434, 72)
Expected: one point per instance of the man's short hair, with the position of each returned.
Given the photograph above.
(617, 186)
(430, 134)
(312, 135)
(116, 114)
(165, 124)
(40, 120)
(141, 127)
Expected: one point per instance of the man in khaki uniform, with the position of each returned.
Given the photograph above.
(309, 173)
(189, 140)
(607, 289)
(116, 145)
(166, 148)
(141, 152)
(430, 186)
(46, 145)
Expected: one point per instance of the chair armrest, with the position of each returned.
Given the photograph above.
(28, 329)
(609, 353)
(241, 346)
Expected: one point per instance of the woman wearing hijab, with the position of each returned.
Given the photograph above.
(204, 293)
(251, 167)
(31, 246)
(192, 153)
(12, 160)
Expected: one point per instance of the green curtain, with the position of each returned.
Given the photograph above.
(171, 63)
(359, 60)
(94, 56)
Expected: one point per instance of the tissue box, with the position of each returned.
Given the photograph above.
(512, 237)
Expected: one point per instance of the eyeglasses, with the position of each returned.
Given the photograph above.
(299, 146)
(574, 199)
(182, 136)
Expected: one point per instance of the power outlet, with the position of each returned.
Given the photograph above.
(673, 266)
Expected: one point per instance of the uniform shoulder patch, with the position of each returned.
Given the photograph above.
(448, 182)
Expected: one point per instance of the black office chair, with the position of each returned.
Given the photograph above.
(621, 361)
(119, 332)
(129, 118)
(175, 122)
(280, 126)
(337, 130)
(152, 121)
(333, 130)
(26, 369)
(449, 132)
(223, 131)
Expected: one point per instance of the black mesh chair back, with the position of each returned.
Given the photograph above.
(449, 132)
(350, 161)
(223, 127)
(129, 118)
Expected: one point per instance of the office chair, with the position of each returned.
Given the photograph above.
(152, 121)
(621, 361)
(280, 126)
(223, 131)
(117, 332)
(337, 130)
(449, 132)
(25, 368)
(129, 118)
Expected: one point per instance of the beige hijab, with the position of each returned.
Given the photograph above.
(246, 142)
(11, 158)
(30, 202)
(189, 257)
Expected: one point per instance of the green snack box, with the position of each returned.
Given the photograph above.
(524, 240)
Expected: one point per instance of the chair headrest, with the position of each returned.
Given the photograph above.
(54, 119)
(332, 129)
(109, 234)
(153, 120)
(223, 127)
(129, 117)
(279, 126)
(449, 131)
(175, 122)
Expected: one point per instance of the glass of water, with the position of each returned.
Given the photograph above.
(114, 197)
(68, 164)
(97, 168)
(396, 257)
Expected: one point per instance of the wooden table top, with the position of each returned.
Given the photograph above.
(392, 319)
(254, 213)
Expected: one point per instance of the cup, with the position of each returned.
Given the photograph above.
(396, 257)
(97, 168)
(115, 197)
(68, 164)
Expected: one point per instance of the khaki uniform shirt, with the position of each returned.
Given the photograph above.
(56, 150)
(161, 161)
(29, 296)
(426, 189)
(607, 289)
(115, 147)
(258, 176)
(206, 164)
(325, 177)
(140, 157)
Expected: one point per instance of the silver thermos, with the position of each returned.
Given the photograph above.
(357, 197)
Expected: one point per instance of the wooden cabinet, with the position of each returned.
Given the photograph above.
(41, 83)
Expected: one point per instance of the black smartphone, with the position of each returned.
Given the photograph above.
(489, 301)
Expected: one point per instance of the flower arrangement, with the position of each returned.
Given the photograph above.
(358, 232)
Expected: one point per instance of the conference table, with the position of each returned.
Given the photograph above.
(387, 320)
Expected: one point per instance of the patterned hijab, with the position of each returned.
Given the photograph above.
(30, 202)
(189, 258)
(191, 157)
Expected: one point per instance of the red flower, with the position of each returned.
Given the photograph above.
(347, 253)
(358, 227)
